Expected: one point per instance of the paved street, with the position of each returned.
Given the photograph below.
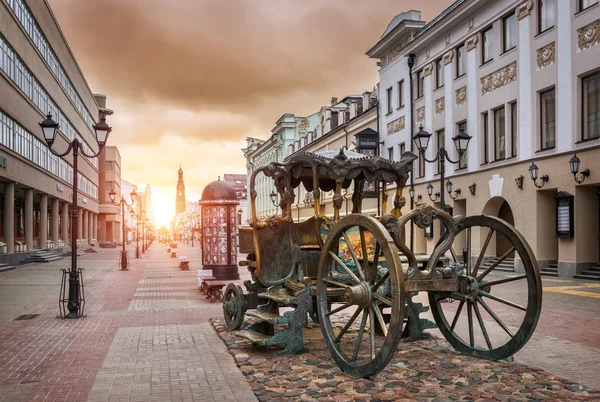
(147, 335)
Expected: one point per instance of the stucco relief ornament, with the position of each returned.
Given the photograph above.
(395, 125)
(524, 9)
(472, 42)
(421, 114)
(448, 57)
(461, 96)
(427, 70)
(545, 56)
(588, 35)
(440, 106)
(499, 78)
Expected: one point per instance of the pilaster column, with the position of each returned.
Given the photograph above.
(449, 112)
(85, 225)
(79, 223)
(9, 216)
(526, 103)
(65, 222)
(55, 217)
(29, 218)
(473, 120)
(43, 221)
(427, 124)
(90, 231)
(566, 87)
(95, 227)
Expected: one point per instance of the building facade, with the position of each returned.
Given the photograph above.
(39, 75)
(109, 218)
(523, 79)
(239, 182)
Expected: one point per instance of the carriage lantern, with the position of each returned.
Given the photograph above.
(219, 230)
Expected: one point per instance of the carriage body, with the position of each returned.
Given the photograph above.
(361, 264)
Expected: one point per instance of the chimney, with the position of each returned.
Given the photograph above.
(334, 101)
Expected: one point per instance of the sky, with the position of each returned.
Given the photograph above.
(189, 80)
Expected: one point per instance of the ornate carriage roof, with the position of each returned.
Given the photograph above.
(344, 166)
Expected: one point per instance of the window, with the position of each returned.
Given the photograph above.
(487, 53)
(500, 134)
(509, 27)
(391, 154)
(439, 74)
(400, 93)
(583, 4)
(485, 132)
(420, 84)
(402, 149)
(462, 126)
(389, 100)
(440, 138)
(461, 60)
(513, 129)
(546, 14)
(591, 107)
(548, 118)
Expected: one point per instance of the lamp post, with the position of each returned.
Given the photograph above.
(143, 234)
(137, 233)
(123, 203)
(461, 142)
(101, 131)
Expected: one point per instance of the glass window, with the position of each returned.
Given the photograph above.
(462, 126)
(591, 107)
(513, 129)
(499, 134)
(391, 154)
(485, 133)
(510, 29)
(439, 73)
(487, 48)
(401, 150)
(461, 60)
(546, 14)
(440, 137)
(548, 118)
(400, 93)
(420, 84)
(389, 100)
(583, 4)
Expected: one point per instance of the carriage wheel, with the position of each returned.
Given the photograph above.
(349, 286)
(493, 313)
(234, 306)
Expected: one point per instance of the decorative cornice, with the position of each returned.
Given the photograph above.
(546, 56)
(427, 70)
(471, 43)
(499, 78)
(395, 52)
(448, 57)
(524, 9)
(440, 106)
(396, 125)
(588, 35)
(461, 96)
(421, 114)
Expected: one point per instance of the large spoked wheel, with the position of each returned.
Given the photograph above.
(360, 275)
(234, 306)
(493, 313)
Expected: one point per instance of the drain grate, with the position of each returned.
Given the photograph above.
(158, 277)
(26, 317)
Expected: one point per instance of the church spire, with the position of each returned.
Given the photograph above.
(180, 205)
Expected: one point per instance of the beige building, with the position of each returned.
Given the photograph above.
(39, 75)
(523, 79)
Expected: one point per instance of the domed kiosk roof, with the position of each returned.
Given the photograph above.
(218, 192)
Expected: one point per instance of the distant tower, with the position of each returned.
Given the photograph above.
(180, 199)
(148, 203)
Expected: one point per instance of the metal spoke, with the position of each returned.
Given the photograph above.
(337, 310)
(505, 280)
(495, 317)
(458, 310)
(382, 299)
(361, 331)
(380, 282)
(482, 254)
(372, 331)
(343, 331)
(373, 274)
(482, 325)
(363, 243)
(470, 317)
(336, 283)
(344, 267)
(503, 301)
(495, 264)
(347, 240)
(381, 320)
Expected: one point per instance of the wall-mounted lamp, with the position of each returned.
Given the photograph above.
(533, 173)
(472, 188)
(432, 197)
(273, 197)
(411, 193)
(519, 181)
(574, 165)
(452, 194)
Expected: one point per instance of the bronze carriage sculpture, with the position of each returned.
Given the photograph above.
(339, 268)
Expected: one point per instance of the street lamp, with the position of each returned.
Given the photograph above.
(432, 197)
(454, 194)
(533, 173)
(411, 193)
(574, 163)
(101, 130)
(137, 233)
(123, 203)
(461, 142)
(143, 233)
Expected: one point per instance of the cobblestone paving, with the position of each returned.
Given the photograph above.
(426, 370)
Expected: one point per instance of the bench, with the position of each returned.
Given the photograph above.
(184, 263)
(173, 254)
(203, 281)
(168, 249)
(214, 291)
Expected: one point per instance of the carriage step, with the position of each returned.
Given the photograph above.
(253, 336)
(268, 317)
(286, 300)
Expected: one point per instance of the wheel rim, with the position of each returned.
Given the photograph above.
(233, 306)
(349, 288)
(493, 314)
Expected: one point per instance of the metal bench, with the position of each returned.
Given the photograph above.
(184, 263)
(204, 280)
(214, 291)
(173, 254)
